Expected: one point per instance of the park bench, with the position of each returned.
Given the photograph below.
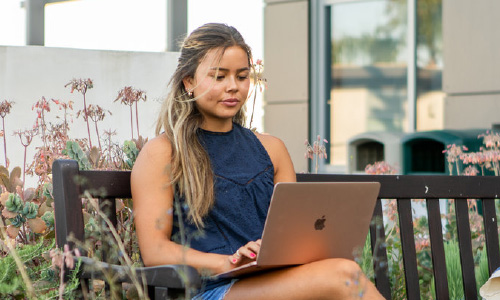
(166, 282)
(69, 184)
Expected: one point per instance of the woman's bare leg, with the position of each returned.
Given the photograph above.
(325, 279)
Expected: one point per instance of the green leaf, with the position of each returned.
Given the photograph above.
(6, 182)
(29, 194)
(47, 193)
(14, 203)
(75, 147)
(18, 221)
(30, 210)
(48, 218)
(4, 171)
(16, 172)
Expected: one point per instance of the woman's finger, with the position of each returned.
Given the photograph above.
(254, 247)
(250, 250)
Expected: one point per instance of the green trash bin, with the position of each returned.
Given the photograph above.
(370, 147)
(423, 151)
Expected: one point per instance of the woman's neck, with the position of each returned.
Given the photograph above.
(217, 126)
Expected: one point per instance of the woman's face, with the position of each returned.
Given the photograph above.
(220, 86)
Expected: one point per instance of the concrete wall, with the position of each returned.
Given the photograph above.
(471, 77)
(28, 73)
(286, 61)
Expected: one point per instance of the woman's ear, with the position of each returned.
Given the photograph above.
(188, 83)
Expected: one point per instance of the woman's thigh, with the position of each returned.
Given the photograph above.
(325, 279)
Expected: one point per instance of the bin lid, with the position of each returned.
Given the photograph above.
(383, 137)
(467, 137)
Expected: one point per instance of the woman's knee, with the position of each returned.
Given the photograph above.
(342, 276)
(341, 267)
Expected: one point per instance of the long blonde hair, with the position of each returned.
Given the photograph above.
(190, 170)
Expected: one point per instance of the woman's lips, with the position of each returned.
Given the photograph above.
(230, 102)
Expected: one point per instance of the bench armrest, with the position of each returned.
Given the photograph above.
(168, 276)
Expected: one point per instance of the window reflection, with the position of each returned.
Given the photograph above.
(430, 97)
(368, 74)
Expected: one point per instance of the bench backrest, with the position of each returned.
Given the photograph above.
(404, 188)
(116, 184)
(70, 183)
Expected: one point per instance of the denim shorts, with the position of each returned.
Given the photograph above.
(216, 293)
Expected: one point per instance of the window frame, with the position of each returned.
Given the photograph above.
(318, 47)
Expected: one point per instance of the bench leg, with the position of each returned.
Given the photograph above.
(162, 293)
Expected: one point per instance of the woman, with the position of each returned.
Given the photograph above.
(206, 181)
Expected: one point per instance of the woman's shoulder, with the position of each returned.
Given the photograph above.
(270, 142)
(156, 150)
(275, 147)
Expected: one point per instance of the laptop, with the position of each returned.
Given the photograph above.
(311, 221)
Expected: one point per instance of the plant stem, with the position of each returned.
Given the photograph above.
(43, 130)
(253, 106)
(119, 243)
(131, 122)
(86, 118)
(317, 162)
(137, 118)
(19, 263)
(65, 124)
(4, 141)
(109, 149)
(98, 136)
(24, 167)
(25, 235)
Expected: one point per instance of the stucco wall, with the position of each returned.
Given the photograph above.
(286, 62)
(471, 77)
(28, 73)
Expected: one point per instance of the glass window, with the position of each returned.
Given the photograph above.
(368, 59)
(430, 97)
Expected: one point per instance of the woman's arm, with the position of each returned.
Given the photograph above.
(153, 209)
(283, 166)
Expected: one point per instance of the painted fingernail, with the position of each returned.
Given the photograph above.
(234, 260)
(252, 255)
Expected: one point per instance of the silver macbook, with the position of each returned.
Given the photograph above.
(310, 221)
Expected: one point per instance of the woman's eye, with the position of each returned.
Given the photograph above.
(243, 77)
(220, 77)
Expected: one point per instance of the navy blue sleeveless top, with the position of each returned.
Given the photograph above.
(243, 185)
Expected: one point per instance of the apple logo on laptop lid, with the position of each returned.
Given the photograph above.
(320, 223)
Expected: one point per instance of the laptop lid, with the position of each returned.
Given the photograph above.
(310, 221)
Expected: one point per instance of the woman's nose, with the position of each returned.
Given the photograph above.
(232, 84)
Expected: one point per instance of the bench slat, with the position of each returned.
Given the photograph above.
(408, 248)
(108, 208)
(67, 203)
(491, 234)
(421, 186)
(108, 184)
(437, 249)
(379, 251)
(464, 241)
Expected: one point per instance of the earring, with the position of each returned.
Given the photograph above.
(190, 94)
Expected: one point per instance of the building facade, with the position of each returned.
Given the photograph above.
(365, 74)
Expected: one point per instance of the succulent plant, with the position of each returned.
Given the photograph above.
(14, 203)
(74, 151)
(131, 151)
(30, 210)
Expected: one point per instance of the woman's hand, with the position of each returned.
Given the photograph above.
(245, 254)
